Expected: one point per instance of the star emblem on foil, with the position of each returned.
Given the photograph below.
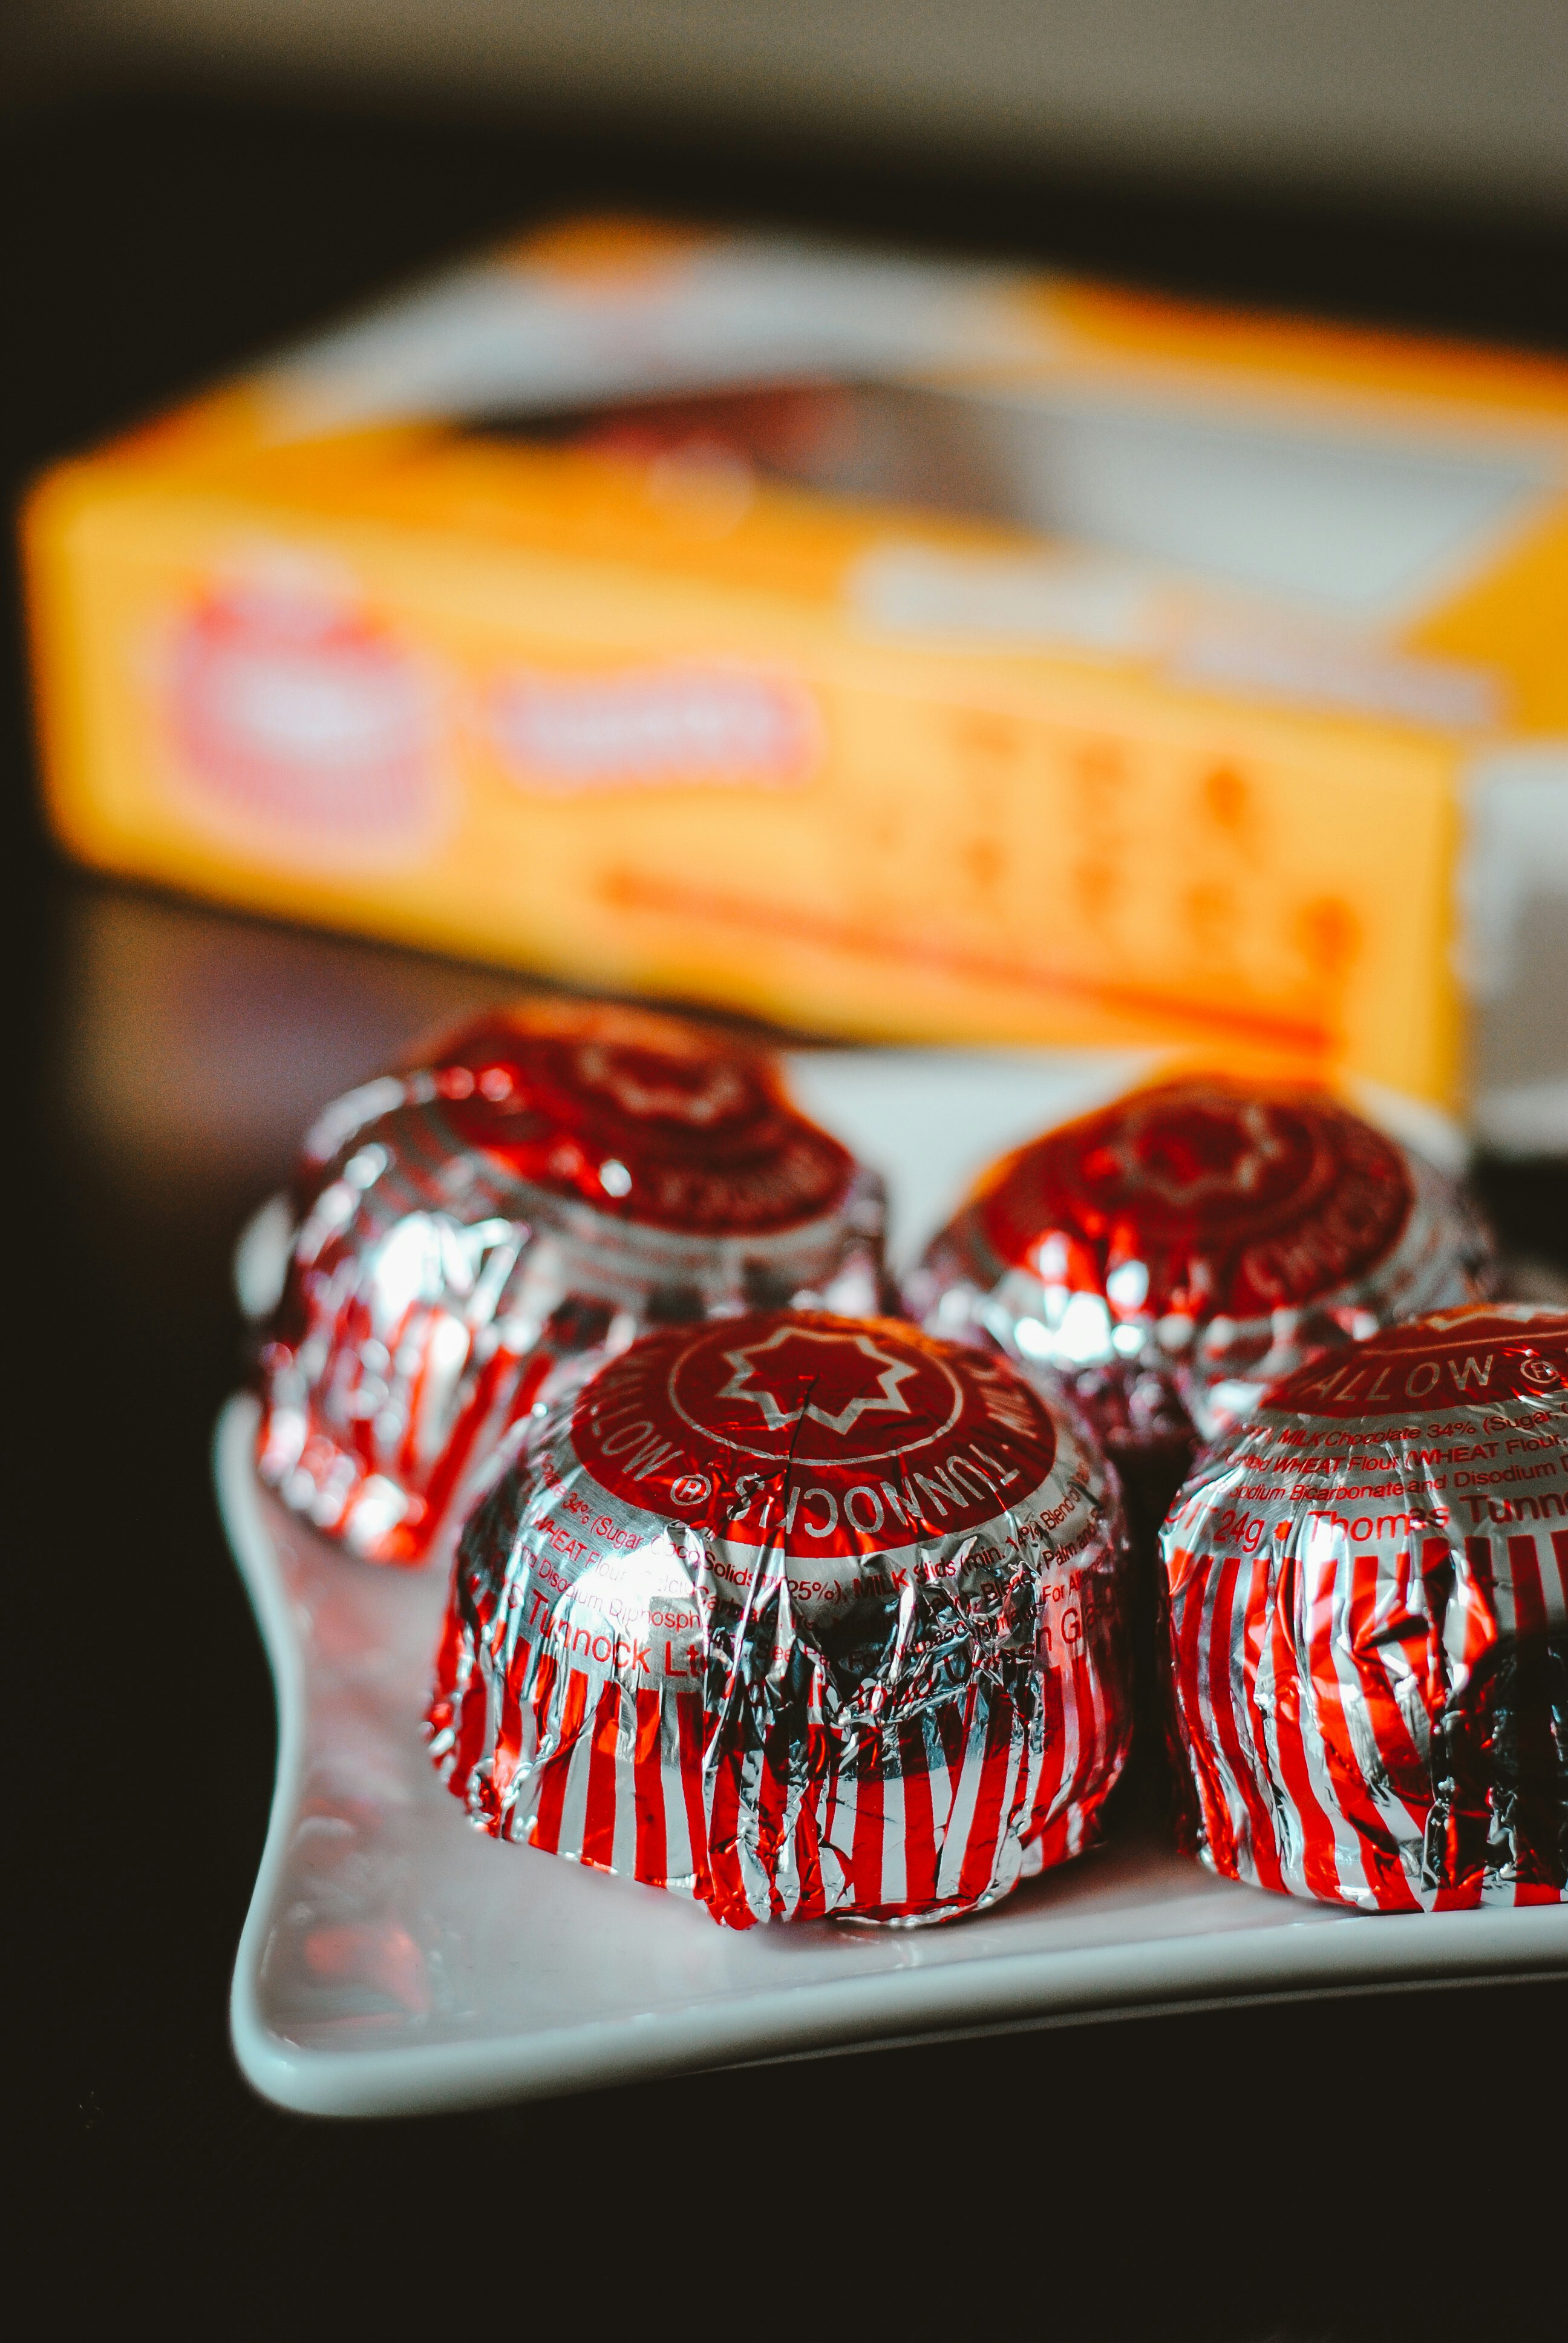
(1201, 1153)
(832, 1378)
(645, 1082)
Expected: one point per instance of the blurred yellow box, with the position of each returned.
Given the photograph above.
(892, 646)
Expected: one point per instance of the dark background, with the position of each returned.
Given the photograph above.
(1357, 2166)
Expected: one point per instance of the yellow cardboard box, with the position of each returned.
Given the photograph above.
(894, 647)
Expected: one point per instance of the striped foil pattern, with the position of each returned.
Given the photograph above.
(430, 1289)
(1369, 1613)
(890, 1697)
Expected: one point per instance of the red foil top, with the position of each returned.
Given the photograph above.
(1478, 1358)
(1179, 1250)
(1233, 1200)
(879, 1436)
(644, 1118)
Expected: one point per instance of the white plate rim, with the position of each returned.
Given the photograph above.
(1001, 1994)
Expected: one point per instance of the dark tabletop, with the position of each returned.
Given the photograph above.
(1359, 2166)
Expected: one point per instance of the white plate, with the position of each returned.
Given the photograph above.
(395, 1959)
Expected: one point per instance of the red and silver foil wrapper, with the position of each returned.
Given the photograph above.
(1179, 1249)
(554, 1180)
(798, 1615)
(1369, 1612)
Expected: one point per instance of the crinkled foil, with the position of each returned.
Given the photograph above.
(1369, 1613)
(797, 1616)
(1177, 1251)
(449, 1249)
